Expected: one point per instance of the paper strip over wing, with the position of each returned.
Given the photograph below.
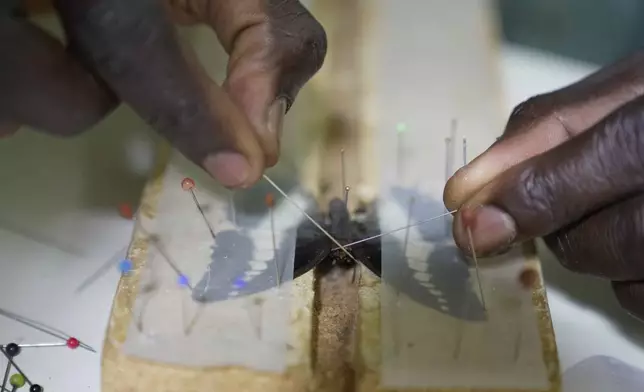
(435, 331)
(235, 315)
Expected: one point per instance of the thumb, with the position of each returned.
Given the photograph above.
(546, 121)
(275, 47)
(559, 187)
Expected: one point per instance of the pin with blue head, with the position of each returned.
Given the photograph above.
(239, 283)
(183, 281)
(125, 266)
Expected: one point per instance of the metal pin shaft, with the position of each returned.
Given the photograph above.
(326, 233)
(476, 267)
(203, 214)
(398, 229)
(6, 376)
(278, 275)
(12, 363)
(342, 170)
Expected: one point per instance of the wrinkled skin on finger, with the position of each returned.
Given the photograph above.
(131, 51)
(274, 47)
(569, 168)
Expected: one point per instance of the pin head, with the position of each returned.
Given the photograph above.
(183, 281)
(270, 200)
(12, 349)
(239, 283)
(528, 278)
(126, 211)
(73, 343)
(17, 380)
(401, 127)
(36, 388)
(125, 266)
(187, 184)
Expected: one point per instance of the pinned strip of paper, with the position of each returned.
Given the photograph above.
(228, 309)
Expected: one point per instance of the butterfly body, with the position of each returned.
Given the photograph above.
(314, 249)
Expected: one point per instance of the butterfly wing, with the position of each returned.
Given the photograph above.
(236, 272)
(441, 280)
(366, 225)
(311, 246)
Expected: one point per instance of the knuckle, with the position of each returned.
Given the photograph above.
(300, 40)
(565, 251)
(534, 197)
(630, 296)
(531, 111)
(620, 142)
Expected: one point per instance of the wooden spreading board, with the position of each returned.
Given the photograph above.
(422, 69)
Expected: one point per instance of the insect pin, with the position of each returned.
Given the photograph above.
(270, 203)
(71, 342)
(188, 185)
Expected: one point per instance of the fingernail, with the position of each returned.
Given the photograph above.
(492, 229)
(229, 168)
(276, 118)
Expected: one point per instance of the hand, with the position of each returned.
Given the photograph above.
(128, 51)
(570, 168)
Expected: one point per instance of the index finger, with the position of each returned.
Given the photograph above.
(133, 45)
(546, 121)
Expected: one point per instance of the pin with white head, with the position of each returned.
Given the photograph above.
(346, 195)
(188, 184)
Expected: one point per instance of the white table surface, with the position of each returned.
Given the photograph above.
(59, 223)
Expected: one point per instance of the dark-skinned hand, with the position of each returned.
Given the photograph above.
(128, 51)
(569, 168)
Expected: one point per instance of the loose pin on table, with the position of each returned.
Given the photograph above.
(71, 341)
(188, 184)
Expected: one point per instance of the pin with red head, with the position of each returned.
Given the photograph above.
(528, 278)
(126, 210)
(188, 185)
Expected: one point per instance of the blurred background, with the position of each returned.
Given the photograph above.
(598, 31)
(59, 199)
